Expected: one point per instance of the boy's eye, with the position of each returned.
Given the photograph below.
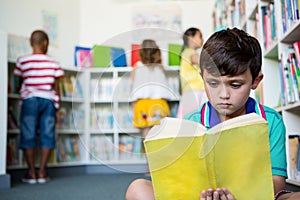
(213, 84)
(236, 85)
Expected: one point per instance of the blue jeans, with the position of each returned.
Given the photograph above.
(37, 114)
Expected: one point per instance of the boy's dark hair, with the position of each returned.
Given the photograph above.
(150, 52)
(231, 52)
(38, 37)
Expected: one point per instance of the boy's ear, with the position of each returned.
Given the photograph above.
(257, 80)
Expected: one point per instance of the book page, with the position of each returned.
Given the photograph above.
(174, 127)
(242, 120)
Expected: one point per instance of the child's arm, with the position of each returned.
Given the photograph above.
(56, 86)
(195, 58)
(279, 183)
(289, 196)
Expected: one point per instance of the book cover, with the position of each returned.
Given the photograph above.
(78, 92)
(101, 56)
(293, 150)
(185, 159)
(83, 57)
(118, 57)
(135, 57)
(174, 54)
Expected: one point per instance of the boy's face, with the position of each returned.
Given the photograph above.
(229, 94)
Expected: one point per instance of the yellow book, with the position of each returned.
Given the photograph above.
(184, 158)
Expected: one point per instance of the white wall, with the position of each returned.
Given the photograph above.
(109, 22)
(89, 22)
(102, 20)
(22, 17)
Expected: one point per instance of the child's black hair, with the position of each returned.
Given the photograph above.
(231, 52)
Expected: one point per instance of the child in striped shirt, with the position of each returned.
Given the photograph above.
(39, 75)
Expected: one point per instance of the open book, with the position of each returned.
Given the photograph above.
(185, 159)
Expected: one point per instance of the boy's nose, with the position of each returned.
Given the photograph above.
(224, 93)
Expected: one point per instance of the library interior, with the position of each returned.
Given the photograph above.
(97, 45)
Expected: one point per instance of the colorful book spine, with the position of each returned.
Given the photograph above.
(282, 83)
(283, 16)
(293, 77)
(296, 46)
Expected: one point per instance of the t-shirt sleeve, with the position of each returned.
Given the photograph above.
(17, 71)
(59, 72)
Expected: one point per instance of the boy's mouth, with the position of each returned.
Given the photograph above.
(224, 105)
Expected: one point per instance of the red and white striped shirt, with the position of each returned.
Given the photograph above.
(38, 72)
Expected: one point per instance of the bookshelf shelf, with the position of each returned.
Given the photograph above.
(272, 52)
(276, 30)
(293, 182)
(101, 131)
(13, 131)
(292, 34)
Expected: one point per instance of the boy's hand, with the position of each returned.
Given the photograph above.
(218, 194)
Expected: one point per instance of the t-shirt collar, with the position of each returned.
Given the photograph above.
(214, 118)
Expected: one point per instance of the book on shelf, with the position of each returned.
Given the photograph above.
(174, 51)
(12, 119)
(219, 157)
(282, 83)
(292, 65)
(61, 118)
(269, 24)
(118, 57)
(69, 86)
(296, 46)
(83, 57)
(101, 148)
(135, 57)
(78, 92)
(289, 79)
(289, 13)
(130, 147)
(102, 118)
(294, 157)
(77, 119)
(101, 56)
(68, 148)
(13, 84)
(12, 150)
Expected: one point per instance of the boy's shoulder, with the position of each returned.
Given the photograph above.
(271, 113)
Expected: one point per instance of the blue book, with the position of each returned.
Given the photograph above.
(118, 57)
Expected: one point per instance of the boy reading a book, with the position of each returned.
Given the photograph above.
(230, 65)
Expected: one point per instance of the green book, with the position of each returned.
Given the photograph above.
(174, 54)
(101, 56)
